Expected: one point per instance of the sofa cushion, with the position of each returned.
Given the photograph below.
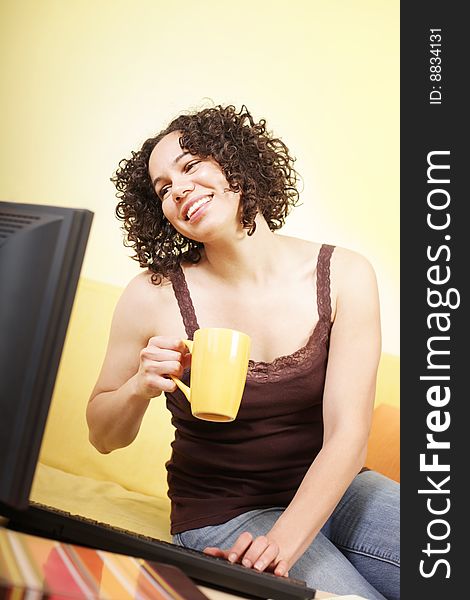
(103, 501)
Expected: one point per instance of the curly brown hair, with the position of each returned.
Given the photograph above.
(254, 163)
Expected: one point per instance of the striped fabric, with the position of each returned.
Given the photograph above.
(32, 568)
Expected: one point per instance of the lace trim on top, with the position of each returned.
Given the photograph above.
(185, 304)
(282, 366)
(323, 282)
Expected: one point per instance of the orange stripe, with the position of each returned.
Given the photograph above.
(91, 561)
(28, 543)
(4, 570)
(114, 580)
(39, 549)
(82, 569)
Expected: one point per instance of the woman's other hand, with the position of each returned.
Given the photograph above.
(261, 553)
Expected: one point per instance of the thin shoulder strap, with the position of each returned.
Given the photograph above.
(323, 282)
(183, 297)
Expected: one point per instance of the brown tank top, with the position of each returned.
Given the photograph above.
(220, 470)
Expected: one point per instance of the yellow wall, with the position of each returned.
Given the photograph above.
(84, 82)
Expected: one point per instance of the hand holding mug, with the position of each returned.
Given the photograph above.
(162, 357)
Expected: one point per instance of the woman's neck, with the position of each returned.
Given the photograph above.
(243, 258)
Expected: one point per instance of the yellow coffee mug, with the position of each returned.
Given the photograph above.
(219, 364)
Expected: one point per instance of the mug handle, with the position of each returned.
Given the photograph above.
(182, 386)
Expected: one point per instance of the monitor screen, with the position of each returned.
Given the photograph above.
(41, 254)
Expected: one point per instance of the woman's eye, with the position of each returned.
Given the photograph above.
(164, 191)
(191, 164)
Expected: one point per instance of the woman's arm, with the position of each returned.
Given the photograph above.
(347, 410)
(135, 369)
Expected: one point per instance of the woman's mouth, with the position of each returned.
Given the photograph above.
(197, 205)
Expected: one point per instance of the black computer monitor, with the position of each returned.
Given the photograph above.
(41, 254)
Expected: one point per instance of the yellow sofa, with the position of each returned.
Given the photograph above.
(127, 488)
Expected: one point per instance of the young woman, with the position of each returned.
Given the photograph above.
(281, 488)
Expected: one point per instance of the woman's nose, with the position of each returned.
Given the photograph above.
(181, 189)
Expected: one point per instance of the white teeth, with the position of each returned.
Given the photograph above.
(196, 205)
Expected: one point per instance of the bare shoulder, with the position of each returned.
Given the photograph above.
(348, 265)
(352, 278)
(345, 264)
(141, 286)
(144, 304)
(141, 292)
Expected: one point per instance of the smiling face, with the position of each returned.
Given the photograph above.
(194, 191)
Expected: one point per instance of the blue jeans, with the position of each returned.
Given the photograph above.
(356, 552)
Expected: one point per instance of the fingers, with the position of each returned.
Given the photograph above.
(237, 550)
(166, 385)
(258, 553)
(161, 349)
(159, 355)
(161, 358)
(241, 545)
(169, 343)
(161, 363)
(261, 553)
(281, 569)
